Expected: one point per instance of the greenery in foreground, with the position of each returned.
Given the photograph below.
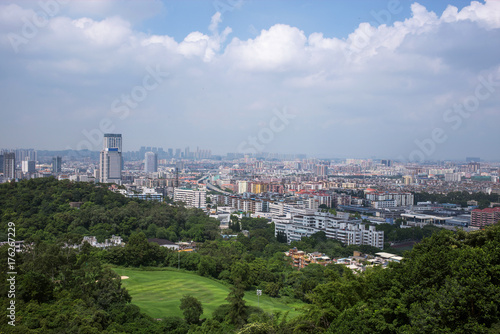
(449, 283)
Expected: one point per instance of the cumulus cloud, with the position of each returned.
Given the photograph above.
(385, 81)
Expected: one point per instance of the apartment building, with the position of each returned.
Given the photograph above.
(485, 217)
(192, 198)
(347, 232)
(401, 198)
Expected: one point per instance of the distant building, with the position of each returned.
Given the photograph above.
(390, 203)
(111, 161)
(192, 198)
(321, 170)
(387, 163)
(9, 166)
(485, 217)
(56, 165)
(301, 260)
(473, 167)
(407, 179)
(150, 162)
(401, 198)
(28, 166)
(452, 177)
(349, 233)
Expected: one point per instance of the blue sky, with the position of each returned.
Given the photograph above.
(248, 17)
(391, 79)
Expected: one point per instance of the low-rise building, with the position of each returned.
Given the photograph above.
(485, 217)
(347, 232)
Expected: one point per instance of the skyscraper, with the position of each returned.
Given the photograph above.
(56, 165)
(111, 159)
(9, 165)
(150, 162)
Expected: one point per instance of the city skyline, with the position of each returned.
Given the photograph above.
(395, 80)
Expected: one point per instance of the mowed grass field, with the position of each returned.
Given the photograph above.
(158, 293)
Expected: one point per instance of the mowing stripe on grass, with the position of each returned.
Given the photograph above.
(158, 293)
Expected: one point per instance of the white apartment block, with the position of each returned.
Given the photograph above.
(349, 233)
(383, 204)
(402, 199)
(192, 198)
(242, 187)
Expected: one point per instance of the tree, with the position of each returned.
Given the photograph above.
(191, 309)
(236, 314)
(281, 237)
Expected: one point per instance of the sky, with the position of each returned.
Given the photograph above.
(393, 79)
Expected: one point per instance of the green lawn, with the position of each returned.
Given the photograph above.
(158, 292)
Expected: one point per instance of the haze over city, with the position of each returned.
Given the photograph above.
(388, 79)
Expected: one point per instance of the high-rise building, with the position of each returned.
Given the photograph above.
(111, 163)
(387, 163)
(321, 170)
(150, 162)
(23, 154)
(1, 162)
(9, 165)
(28, 166)
(56, 165)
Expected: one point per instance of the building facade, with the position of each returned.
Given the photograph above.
(192, 198)
(485, 217)
(150, 162)
(111, 162)
(9, 166)
(347, 232)
(56, 165)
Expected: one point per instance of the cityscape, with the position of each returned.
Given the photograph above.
(289, 190)
(241, 166)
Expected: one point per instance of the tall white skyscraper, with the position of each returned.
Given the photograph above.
(111, 159)
(150, 162)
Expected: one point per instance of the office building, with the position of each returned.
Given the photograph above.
(1, 162)
(9, 165)
(56, 165)
(111, 162)
(150, 162)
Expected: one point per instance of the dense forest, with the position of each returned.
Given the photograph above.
(40, 208)
(448, 283)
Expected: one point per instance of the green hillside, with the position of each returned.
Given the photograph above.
(158, 292)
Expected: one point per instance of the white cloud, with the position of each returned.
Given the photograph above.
(279, 48)
(388, 80)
